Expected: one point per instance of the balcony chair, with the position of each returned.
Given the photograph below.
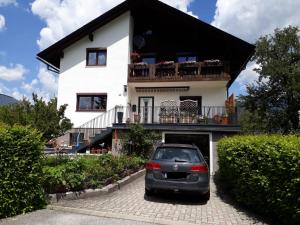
(168, 112)
(188, 111)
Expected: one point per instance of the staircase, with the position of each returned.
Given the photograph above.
(95, 129)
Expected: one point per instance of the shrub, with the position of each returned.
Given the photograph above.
(263, 173)
(20, 170)
(139, 141)
(82, 172)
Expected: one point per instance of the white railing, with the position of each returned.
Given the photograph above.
(103, 121)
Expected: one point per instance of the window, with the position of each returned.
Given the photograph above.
(149, 60)
(181, 59)
(91, 102)
(96, 57)
(177, 155)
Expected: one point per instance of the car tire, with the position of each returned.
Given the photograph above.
(206, 196)
(148, 192)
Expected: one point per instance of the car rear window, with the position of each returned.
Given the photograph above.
(177, 155)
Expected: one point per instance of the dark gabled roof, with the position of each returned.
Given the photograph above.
(240, 50)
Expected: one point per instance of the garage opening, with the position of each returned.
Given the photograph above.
(200, 140)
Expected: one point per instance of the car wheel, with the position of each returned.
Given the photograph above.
(206, 196)
(148, 192)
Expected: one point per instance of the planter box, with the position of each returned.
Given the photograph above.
(187, 119)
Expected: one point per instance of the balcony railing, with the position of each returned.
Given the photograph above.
(180, 115)
(187, 71)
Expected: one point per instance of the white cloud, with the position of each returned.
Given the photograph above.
(48, 81)
(247, 76)
(2, 22)
(64, 16)
(29, 87)
(17, 94)
(249, 19)
(45, 85)
(14, 72)
(3, 89)
(8, 2)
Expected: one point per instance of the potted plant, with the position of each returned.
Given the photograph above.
(135, 57)
(225, 119)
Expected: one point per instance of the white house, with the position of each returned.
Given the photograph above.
(161, 67)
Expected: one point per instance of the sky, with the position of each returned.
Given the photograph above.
(29, 26)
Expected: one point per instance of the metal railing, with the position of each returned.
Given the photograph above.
(100, 123)
(218, 115)
(181, 115)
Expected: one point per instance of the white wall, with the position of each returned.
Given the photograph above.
(213, 93)
(75, 77)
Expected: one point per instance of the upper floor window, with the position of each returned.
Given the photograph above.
(96, 57)
(91, 102)
(182, 59)
(149, 60)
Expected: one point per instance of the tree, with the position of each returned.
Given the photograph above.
(272, 104)
(42, 115)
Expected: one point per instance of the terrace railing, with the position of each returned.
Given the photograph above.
(187, 71)
(182, 115)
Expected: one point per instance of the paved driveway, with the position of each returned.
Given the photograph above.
(130, 203)
(51, 217)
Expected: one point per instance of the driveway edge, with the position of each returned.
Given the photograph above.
(116, 215)
(52, 198)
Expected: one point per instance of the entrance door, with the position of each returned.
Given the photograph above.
(146, 109)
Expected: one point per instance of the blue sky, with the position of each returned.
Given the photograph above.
(28, 26)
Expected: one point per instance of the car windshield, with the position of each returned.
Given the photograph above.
(177, 155)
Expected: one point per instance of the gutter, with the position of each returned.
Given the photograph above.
(49, 65)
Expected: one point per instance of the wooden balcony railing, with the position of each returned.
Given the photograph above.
(169, 71)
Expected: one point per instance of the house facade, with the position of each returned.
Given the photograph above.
(146, 62)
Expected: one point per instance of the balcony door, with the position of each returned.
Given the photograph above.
(146, 109)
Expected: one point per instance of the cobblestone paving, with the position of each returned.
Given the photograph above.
(130, 201)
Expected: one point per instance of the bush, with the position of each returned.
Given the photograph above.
(67, 174)
(139, 141)
(263, 173)
(20, 170)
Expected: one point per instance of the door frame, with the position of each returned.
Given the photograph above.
(211, 152)
(139, 104)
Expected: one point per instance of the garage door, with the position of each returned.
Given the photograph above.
(200, 140)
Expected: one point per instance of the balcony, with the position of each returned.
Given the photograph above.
(186, 71)
(205, 115)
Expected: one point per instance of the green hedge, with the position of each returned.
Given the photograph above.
(20, 170)
(263, 173)
(83, 172)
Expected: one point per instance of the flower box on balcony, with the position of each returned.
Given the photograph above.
(187, 119)
(213, 62)
(168, 119)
